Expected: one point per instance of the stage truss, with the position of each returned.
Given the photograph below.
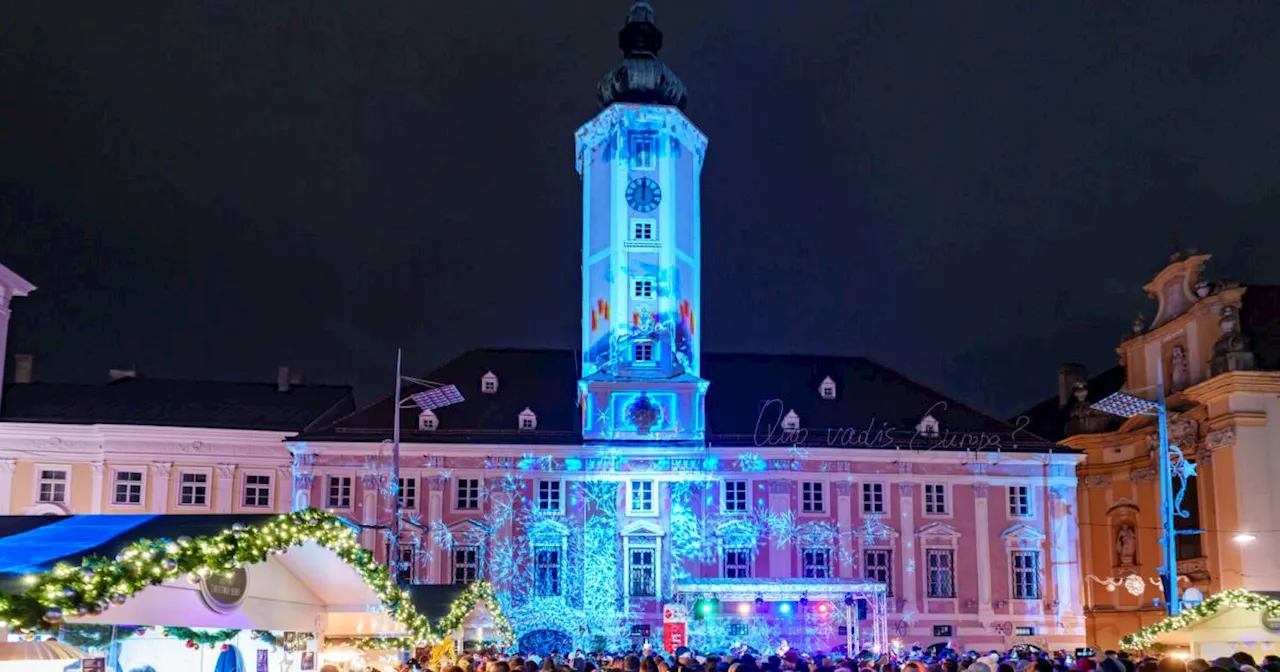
(838, 592)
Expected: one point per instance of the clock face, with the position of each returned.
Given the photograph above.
(643, 195)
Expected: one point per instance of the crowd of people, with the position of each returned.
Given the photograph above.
(792, 661)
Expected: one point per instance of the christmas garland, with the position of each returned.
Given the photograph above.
(95, 635)
(196, 638)
(300, 639)
(371, 643)
(480, 592)
(98, 583)
(1228, 599)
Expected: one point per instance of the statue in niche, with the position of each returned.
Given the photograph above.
(1178, 368)
(1126, 546)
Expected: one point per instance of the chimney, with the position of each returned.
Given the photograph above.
(282, 379)
(1068, 376)
(121, 374)
(24, 368)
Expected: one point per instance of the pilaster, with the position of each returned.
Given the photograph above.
(847, 565)
(984, 542)
(371, 483)
(95, 504)
(223, 501)
(1067, 572)
(435, 513)
(779, 556)
(160, 486)
(907, 518)
(6, 486)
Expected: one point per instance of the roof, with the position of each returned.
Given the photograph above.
(868, 395)
(1260, 323)
(1049, 420)
(31, 544)
(177, 403)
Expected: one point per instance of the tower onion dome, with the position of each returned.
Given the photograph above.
(641, 77)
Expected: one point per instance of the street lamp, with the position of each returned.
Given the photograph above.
(1127, 405)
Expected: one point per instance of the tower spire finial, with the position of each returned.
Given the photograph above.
(641, 77)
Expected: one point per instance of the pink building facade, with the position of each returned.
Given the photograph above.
(590, 485)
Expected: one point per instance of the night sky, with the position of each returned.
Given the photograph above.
(970, 193)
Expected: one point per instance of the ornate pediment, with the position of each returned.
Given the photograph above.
(1022, 535)
(938, 530)
(644, 527)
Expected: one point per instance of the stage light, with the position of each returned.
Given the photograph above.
(744, 608)
(706, 608)
(822, 608)
(848, 600)
(804, 601)
(784, 608)
(759, 600)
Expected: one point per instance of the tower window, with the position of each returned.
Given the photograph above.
(643, 288)
(489, 383)
(644, 151)
(528, 420)
(643, 230)
(828, 388)
(644, 352)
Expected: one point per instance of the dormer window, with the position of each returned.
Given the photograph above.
(828, 388)
(643, 288)
(928, 426)
(528, 420)
(644, 352)
(489, 383)
(427, 421)
(791, 421)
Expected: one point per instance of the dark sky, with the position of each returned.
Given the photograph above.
(968, 192)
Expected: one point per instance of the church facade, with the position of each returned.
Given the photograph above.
(591, 486)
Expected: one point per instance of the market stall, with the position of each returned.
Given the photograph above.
(1230, 621)
(199, 592)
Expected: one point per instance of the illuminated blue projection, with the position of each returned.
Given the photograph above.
(641, 276)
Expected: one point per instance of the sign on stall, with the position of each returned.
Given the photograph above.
(93, 665)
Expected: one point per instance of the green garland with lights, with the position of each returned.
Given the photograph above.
(1227, 599)
(370, 643)
(98, 583)
(95, 635)
(480, 592)
(202, 637)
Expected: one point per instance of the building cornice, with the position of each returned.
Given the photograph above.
(69, 432)
(1206, 306)
(1234, 382)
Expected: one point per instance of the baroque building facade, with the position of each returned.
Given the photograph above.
(1217, 346)
(589, 486)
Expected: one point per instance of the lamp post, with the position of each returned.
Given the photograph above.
(431, 397)
(1128, 405)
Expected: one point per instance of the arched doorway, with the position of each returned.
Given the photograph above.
(546, 642)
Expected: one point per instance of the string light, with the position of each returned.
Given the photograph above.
(1228, 599)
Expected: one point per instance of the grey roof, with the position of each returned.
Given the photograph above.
(546, 382)
(177, 403)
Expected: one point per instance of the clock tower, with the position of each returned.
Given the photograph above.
(640, 161)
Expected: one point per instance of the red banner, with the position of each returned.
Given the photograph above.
(673, 637)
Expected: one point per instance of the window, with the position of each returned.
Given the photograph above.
(816, 562)
(1026, 575)
(468, 494)
(941, 564)
(942, 631)
(642, 572)
(811, 497)
(489, 383)
(828, 388)
(644, 151)
(408, 493)
(735, 496)
(1020, 501)
(643, 230)
(193, 489)
(53, 486)
(1024, 631)
(791, 421)
(644, 352)
(642, 288)
(549, 495)
(737, 563)
(406, 562)
(877, 565)
(546, 571)
(127, 489)
(338, 495)
(466, 564)
(257, 491)
(428, 422)
(641, 500)
(738, 630)
(873, 497)
(935, 499)
(528, 420)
